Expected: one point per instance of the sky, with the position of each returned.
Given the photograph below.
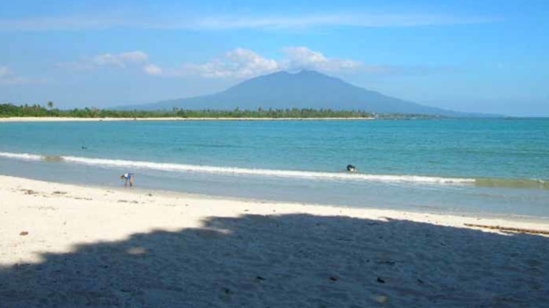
(487, 56)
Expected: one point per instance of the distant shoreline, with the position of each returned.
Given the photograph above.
(72, 119)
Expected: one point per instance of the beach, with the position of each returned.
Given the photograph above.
(74, 246)
(71, 119)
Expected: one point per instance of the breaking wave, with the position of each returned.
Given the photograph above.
(172, 167)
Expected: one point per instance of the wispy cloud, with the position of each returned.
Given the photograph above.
(120, 60)
(364, 20)
(8, 77)
(4, 71)
(108, 60)
(226, 22)
(65, 23)
(153, 70)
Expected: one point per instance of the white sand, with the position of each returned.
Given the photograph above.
(97, 247)
(68, 119)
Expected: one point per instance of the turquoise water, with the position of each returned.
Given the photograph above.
(498, 166)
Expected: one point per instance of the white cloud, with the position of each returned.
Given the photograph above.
(185, 22)
(305, 58)
(244, 63)
(239, 63)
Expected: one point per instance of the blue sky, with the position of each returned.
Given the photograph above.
(479, 56)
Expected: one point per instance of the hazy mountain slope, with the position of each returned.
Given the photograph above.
(306, 89)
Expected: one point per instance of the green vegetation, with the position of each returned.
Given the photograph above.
(10, 110)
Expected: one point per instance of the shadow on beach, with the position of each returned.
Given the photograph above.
(291, 261)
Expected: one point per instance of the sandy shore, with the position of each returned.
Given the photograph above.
(64, 119)
(71, 246)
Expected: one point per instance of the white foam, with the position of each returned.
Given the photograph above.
(265, 172)
(246, 171)
(23, 156)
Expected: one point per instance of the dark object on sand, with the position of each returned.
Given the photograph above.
(23, 233)
(351, 168)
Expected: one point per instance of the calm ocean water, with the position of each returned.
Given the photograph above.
(491, 166)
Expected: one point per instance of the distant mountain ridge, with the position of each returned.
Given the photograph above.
(306, 89)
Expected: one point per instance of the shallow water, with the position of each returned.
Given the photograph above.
(497, 166)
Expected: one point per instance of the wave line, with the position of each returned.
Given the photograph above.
(172, 167)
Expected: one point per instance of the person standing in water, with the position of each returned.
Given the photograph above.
(127, 177)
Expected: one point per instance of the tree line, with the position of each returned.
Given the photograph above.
(11, 110)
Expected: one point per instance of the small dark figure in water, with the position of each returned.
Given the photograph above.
(351, 168)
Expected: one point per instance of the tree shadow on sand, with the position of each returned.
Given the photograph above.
(291, 261)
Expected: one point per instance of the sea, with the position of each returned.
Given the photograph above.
(491, 167)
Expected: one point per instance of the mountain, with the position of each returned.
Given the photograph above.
(306, 89)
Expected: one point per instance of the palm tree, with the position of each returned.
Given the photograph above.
(50, 105)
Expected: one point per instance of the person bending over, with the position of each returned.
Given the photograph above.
(127, 177)
(351, 168)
